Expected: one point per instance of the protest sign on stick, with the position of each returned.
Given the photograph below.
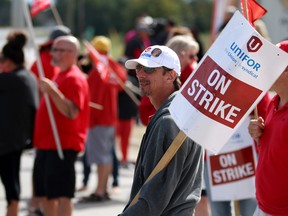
(233, 169)
(228, 83)
(231, 79)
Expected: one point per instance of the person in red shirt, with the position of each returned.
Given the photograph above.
(271, 136)
(53, 177)
(49, 71)
(103, 79)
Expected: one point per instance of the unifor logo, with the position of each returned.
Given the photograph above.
(254, 44)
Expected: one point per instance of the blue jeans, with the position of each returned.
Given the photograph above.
(259, 212)
(225, 208)
(86, 169)
(115, 170)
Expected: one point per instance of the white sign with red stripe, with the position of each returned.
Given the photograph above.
(232, 170)
(230, 80)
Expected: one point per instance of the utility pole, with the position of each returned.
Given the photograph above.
(16, 14)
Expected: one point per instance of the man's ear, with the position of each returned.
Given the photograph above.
(171, 75)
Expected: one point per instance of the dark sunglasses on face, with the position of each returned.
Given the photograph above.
(147, 70)
(53, 49)
(192, 56)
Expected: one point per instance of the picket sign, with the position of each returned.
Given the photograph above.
(232, 171)
(228, 83)
(230, 80)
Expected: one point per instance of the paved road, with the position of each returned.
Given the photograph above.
(119, 197)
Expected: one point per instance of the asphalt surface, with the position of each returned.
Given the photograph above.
(119, 196)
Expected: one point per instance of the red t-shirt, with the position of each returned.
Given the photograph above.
(72, 132)
(146, 109)
(272, 169)
(104, 92)
(185, 73)
(263, 105)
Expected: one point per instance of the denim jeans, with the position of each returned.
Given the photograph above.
(259, 212)
(225, 208)
(86, 169)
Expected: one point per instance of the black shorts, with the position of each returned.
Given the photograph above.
(9, 173)
(53, 177)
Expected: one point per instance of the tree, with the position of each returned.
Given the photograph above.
(120, 15)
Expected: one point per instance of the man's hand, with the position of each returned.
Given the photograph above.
(64, 105)
(47, 86)
(255, 128)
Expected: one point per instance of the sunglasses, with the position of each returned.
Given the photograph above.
(60, 50)
(147, 70)
(192, 56)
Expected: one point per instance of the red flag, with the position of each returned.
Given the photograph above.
(118, 69)
(99, 61)
(252, 10)
(39, 5)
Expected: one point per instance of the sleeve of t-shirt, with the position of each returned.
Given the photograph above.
(72, 89)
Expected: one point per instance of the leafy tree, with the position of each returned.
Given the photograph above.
(120, 15)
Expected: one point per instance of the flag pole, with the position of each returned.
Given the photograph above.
(245, 9)
(119, 81)
(95, 105)
(236, 202)
(125, 88)
(56, 15)
(41, 75)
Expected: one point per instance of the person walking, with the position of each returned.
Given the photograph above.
(19, 100)
(176, 189)
(54, 178)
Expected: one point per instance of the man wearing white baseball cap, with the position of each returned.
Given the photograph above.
(156, 56)
(176, 189)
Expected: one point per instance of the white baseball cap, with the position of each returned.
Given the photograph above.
(156, 56)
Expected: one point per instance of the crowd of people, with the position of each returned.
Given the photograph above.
(87, 101)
